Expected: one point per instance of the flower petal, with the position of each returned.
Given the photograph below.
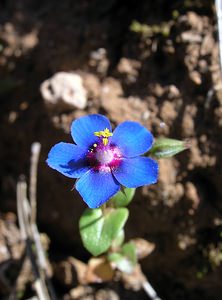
(137, 171)
(132, 138)
(68, 159)
(97, 187)
(82, 129)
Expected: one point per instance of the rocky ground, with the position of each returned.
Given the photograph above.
(155, 62)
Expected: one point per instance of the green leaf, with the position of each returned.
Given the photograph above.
(98, 229)
(117, 242)
(115, 257)
(164, 147)
(123, 198)
(126, 259)
(129, 250)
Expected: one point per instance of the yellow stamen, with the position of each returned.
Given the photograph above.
(97, 133)
(105, 141)
(95, 145)
(105, 134)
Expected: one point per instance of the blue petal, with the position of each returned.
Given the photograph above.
(97, 187)
(132, 138)
(82, 129)
(68, 159)
(138, 171)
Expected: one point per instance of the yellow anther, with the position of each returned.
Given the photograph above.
(95, 145)
(98, 133)
(105, 134)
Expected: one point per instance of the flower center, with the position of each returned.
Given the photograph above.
(104, 156)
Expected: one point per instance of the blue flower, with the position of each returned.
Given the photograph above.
(102, 161)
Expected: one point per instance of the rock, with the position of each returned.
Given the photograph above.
(129, 68)
(195, 21)
(99, 61)
(91, 84)
(81, 292)
(143, 247)
(192, 196)
(187, 125)
(173, 92)
(106, 294)
(168, 113)
(64, 91)
(207, 45)
(118, 107)
(191, 37)
(195, 77)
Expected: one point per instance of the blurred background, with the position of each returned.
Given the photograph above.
(156, 62)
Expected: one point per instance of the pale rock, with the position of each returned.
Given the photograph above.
(64, 91)
(190, 37)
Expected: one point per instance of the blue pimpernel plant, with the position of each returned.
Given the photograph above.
(103, 160)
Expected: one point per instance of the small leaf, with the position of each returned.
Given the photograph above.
(98, 230)
(129, 250)
(129, 193)
(164, 147)
(126, 259)
(115, 257)
(123, 198)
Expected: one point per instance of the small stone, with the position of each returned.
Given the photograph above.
(64, 91)
(173, 92)
(191, 194)
(128, 66)
(143, 247)
(106, 294)
(195, 77)
(81, 292)
(195, 21)
(168, 113)
(207, 44)
(191, 37)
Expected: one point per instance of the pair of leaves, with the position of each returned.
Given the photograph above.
(98, 229)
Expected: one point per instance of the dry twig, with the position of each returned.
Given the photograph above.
(29, 230)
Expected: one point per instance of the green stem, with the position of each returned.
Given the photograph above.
(103, 207)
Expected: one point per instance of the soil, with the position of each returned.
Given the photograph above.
(166, 75)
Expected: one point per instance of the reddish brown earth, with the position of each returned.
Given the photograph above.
(168, 78)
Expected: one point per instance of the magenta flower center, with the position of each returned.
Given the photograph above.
(103, 156)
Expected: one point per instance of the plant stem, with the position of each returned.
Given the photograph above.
(104, 207)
